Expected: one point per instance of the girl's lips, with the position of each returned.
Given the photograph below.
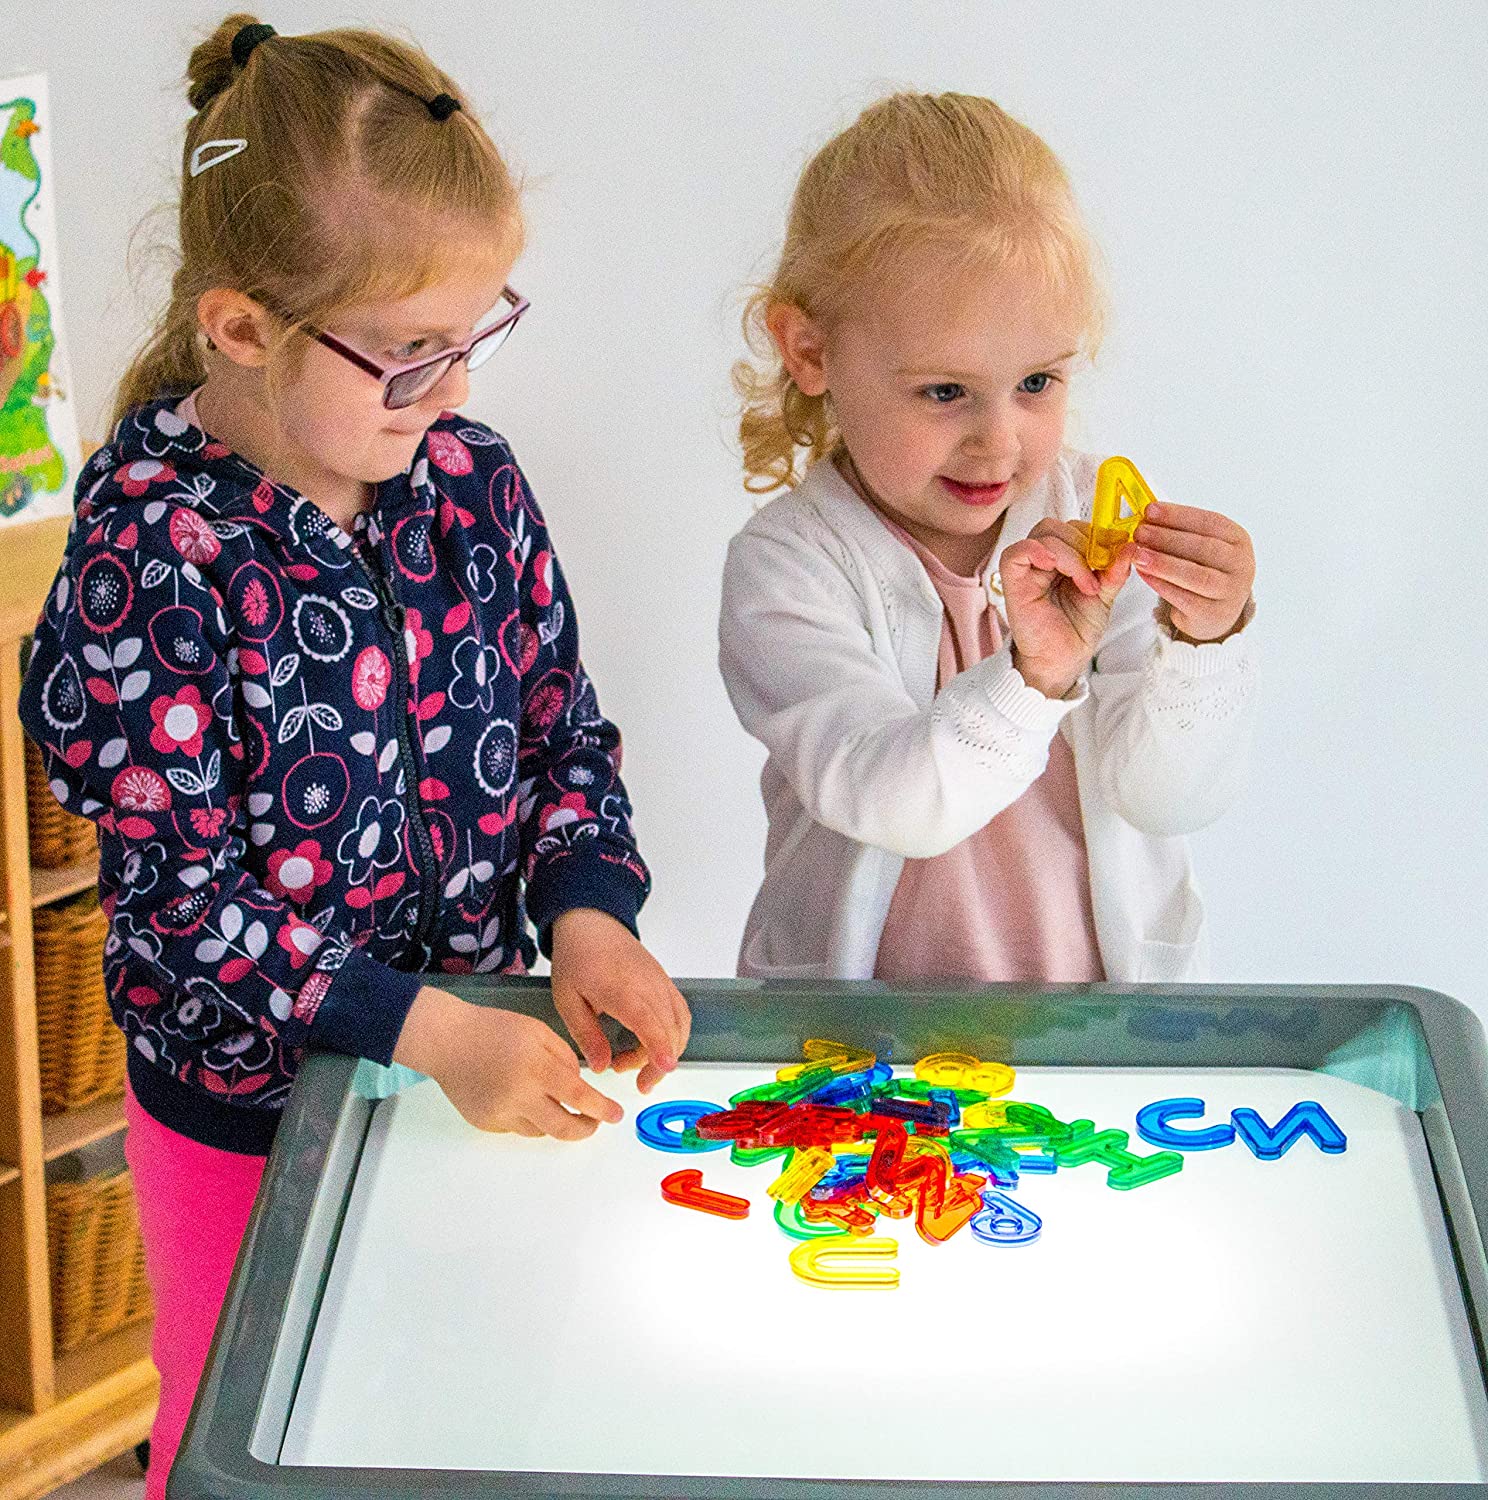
(975, 494)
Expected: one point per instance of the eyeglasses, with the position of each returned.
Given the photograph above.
(410, 380)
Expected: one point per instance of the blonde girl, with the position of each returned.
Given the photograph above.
(983, 756)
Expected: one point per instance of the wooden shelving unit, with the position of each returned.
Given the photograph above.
(59, 1416)
(52, 885)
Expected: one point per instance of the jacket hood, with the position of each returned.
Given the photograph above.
(158, 461)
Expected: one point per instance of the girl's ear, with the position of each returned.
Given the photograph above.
(802, 344)
(236, 325)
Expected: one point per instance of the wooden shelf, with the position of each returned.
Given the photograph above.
(65, 880)
(60, 1416)
(87, 1366)
(105, 1403)
(80, 1127)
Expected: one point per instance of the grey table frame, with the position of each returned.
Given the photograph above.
(1422, 1047)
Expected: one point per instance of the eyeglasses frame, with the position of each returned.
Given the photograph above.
(454, 353)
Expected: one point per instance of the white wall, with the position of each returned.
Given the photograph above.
(1290, 198)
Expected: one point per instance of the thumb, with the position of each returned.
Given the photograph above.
(1113, 578)
(582, 1025)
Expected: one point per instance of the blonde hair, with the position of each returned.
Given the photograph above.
(343, 152)
(949, 171)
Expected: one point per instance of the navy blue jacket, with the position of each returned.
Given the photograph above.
(321, 765)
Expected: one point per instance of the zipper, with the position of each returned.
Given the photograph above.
(393, 616)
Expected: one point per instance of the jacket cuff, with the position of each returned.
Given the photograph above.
(606, 883)
(1023, 705)
(1206, 660)
(363, 1011)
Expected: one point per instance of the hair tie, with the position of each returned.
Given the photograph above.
(442, 106)
(247, 38)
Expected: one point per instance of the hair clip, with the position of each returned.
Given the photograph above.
(442, 106)
(201, 159)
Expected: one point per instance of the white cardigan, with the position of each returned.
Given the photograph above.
(829, 642)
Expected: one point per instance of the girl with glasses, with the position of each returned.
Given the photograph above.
(311, 665)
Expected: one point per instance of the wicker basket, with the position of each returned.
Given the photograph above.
(57, 837)
(82, 1051)
(96, 1258)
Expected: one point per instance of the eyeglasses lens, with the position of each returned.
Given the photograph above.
(404, 390)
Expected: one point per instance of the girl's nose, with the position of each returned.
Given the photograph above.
(993, 444)
(451, 391)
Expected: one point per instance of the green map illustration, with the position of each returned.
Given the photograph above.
(31, 461)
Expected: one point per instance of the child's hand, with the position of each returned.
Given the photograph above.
(1202, 563)
(1056, 607)
(599, 968)
(501, 1070)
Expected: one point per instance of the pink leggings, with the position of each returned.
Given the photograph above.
(194, 1202)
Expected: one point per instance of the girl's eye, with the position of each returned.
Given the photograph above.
(408, 350)
(1044, 376)
(943, 392)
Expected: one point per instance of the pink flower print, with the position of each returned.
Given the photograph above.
(542, 579)
(194, 539)
(450, 514)
(135, 478)
(300, 940)
(546, 701)
(179, 721)
(371, 675)
(185, 914)
(207, 822)
(296, 874)
(519, 643)
(138, 789)
(417, 641)
(570, 809)
(447, 452)
(255, 602)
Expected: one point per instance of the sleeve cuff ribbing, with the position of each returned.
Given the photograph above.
(571, 882)
(363, 1011)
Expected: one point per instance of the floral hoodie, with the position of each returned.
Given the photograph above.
(320, 764)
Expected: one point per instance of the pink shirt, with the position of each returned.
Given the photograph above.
(1012, 901)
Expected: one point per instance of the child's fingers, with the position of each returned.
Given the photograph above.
(628, 1062)
(582, 1025)
(683, 1017)
(551, 1118)
(1113, 578)
(1063, 557)
(1181, 602)
(1194, 518)
(1211, 551)
(649, 1016)
(1195, 578)
(671, 1011)
(649, 1077)
(578, 1094)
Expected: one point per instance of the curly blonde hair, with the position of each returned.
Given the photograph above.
(949, 171)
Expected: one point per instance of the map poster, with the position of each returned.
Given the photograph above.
(39, 451)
